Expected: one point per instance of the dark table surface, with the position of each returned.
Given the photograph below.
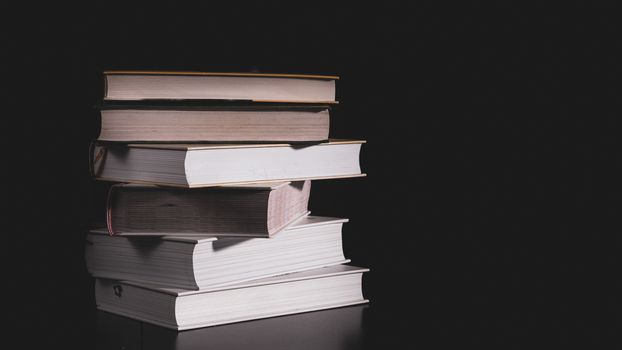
(340, 328)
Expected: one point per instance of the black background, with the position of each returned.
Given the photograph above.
(490, 211)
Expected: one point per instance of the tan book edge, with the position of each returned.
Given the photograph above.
(221, 74)
(299, 102)
(268, 101)
(267, 186)
(196, 146)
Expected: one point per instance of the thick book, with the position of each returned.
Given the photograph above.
(216, 123)
(179, 309)
(326, 330)
(259, 210)
(163, 85)
(201, 262)
(201, 165)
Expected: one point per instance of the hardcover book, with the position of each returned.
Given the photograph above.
(260, 210)
(201, 165)
(198, 262)
(318, 289)
(162, 85)
(214, 123)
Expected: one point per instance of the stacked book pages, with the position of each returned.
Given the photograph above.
(209, 222)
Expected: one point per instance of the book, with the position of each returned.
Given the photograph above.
(327, 330)
(163, 85)
(214, 123)
(179, 309)
(259, 210)
(195, 262)
(201, 165)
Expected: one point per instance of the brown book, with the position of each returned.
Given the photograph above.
(162, 85)
(251, 210)
(222, 123)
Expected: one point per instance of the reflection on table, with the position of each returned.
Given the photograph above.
(328, 329)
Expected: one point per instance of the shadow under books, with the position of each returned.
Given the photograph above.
(339, 328)
(146, 245)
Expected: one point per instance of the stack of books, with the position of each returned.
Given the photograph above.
(209, 223)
